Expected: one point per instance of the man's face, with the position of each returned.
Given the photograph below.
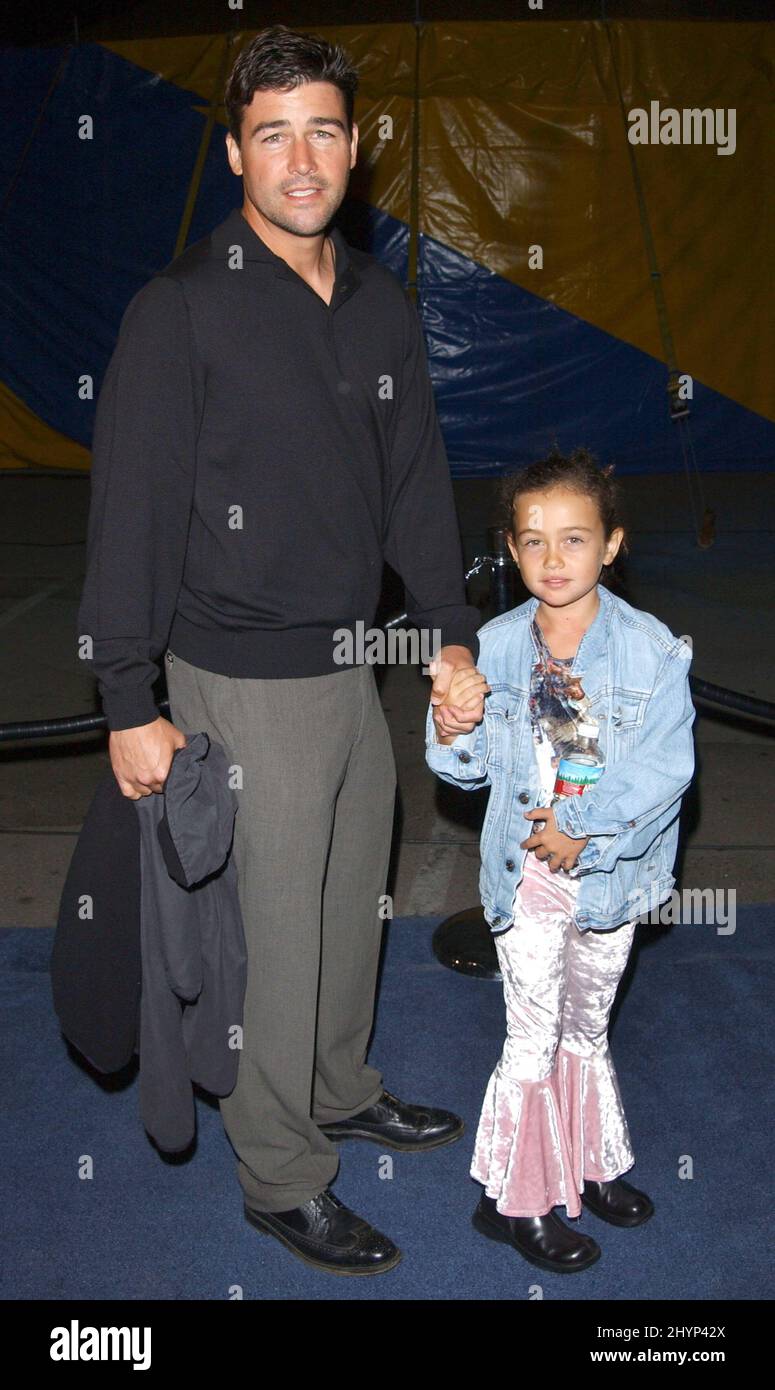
(295, 141)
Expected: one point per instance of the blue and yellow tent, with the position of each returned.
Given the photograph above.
(478, 142)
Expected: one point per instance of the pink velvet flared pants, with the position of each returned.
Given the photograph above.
(552, 1113)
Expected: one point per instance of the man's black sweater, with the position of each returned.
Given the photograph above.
(257, 454)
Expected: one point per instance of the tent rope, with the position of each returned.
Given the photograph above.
(704, 530)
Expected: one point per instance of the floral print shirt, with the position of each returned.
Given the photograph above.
(557, 704)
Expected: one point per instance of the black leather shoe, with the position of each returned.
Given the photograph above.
(399, 1126)
(325, 1233)
(543, 1240)
(616, 1201)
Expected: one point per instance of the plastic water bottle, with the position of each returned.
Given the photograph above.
(581, 766)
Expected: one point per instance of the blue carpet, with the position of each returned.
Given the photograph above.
(693, 1052)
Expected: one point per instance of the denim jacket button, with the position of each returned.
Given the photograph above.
(465, 757)
(495, 921)
(524, 798)
(509, 864)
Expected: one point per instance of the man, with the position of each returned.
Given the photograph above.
(265, 437)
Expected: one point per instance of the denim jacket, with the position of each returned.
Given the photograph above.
(636, 675)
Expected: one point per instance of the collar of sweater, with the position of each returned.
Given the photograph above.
(237, 231)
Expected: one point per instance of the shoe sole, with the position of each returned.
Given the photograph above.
(628, 1221)
(258, 1225)
(393, 1143)
(493, 1233)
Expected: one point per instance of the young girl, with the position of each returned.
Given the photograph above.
(565, 877)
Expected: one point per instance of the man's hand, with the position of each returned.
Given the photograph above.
(451, 719)
(141, 757)
(559, 849)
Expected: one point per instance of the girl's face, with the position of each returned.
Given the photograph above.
(559, 545)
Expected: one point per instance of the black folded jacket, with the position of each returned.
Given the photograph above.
(96, 967)
(149, 951)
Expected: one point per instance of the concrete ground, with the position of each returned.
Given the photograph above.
(722, 596)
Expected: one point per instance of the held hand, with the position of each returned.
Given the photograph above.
(141, 757)
(442, 668)
(463, 707)
(450, 717)
(552, 844)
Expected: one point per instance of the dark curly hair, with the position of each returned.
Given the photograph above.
(277, 59)
(580, 472)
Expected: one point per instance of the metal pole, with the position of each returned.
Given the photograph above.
(464, 942)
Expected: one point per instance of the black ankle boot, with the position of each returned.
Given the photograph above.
(617, 1202)
(544, 1241)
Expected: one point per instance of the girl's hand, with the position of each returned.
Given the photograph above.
(550, 844)
(467, 687)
